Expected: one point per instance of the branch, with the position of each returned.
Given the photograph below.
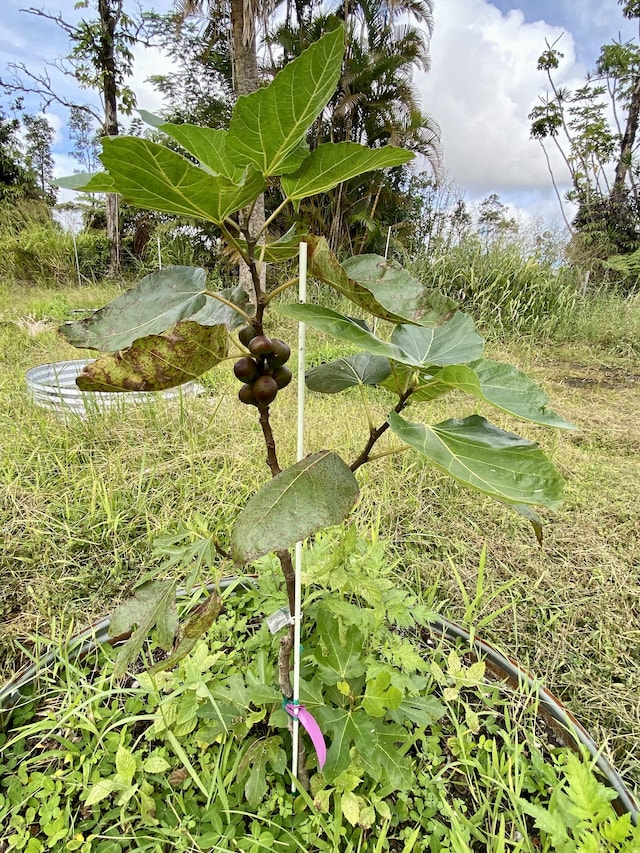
(44, 88)
(376, 434)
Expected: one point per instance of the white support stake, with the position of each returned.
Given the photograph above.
(297, 614)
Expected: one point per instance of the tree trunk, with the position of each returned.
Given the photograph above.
(245, 81)
(626, 146)
(109, 13)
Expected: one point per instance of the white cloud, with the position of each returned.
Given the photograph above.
(147, 62)
(481, 88)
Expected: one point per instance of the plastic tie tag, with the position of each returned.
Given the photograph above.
(278, 620)
(309, 723)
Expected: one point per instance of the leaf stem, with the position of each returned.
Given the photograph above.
(280, 289)
(227, 302)
(275, 213)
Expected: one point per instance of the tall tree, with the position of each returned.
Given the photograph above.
(39, 136)
(595, 130)
(15, 179)
(101, 59)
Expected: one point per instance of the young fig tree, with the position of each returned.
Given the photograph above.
(171, 327)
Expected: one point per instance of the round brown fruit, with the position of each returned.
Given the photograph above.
(245, 395)
(246, 370)
(265, 389)
(282, 376)
(246, 334)
(260, 346)
(280, 353)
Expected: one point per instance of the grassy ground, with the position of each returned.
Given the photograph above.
(80, 502)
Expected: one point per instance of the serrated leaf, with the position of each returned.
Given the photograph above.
(400, 293)
(96, 182)
(350, 804)
(158, 362)
(388, 761)
(346, 728)
(208, 146)
(455, 342)
(316, 492)
(339, 655)
(380, 695)
(156, 303)
(154, 177)
(101, 790)
(504, 386)
(125, 764)
(422, 710)
(360, 369)
(268, 127)
(332, 163)
(486, 458)
(153, 605)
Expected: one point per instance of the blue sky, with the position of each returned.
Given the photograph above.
(482, 85)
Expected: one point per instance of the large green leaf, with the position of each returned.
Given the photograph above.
(502, 385)
(382, 287)
(158, 361)
(154, 177)
(97, 182)
(208, 146)
(346, 728)
(339, 655)
(153, 604)
(400, 293)
(157, 302)
(214, 312)
(490, 460)
(340, 327)
(332, 163)
(268, 127)
(314, 493)
(455, 342)
(360, 369)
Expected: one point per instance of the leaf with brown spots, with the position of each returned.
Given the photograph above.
(157, 362)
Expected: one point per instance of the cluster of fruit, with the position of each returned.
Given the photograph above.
(264, 374)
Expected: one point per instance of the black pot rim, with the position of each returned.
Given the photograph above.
(566, 728)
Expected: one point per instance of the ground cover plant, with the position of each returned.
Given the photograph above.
(432, 350)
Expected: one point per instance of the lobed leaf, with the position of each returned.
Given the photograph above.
(269, 126)
(332, 163)
(314, 493)
(153, 604)
(157, 362)
(486, 458)
(97, 182)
